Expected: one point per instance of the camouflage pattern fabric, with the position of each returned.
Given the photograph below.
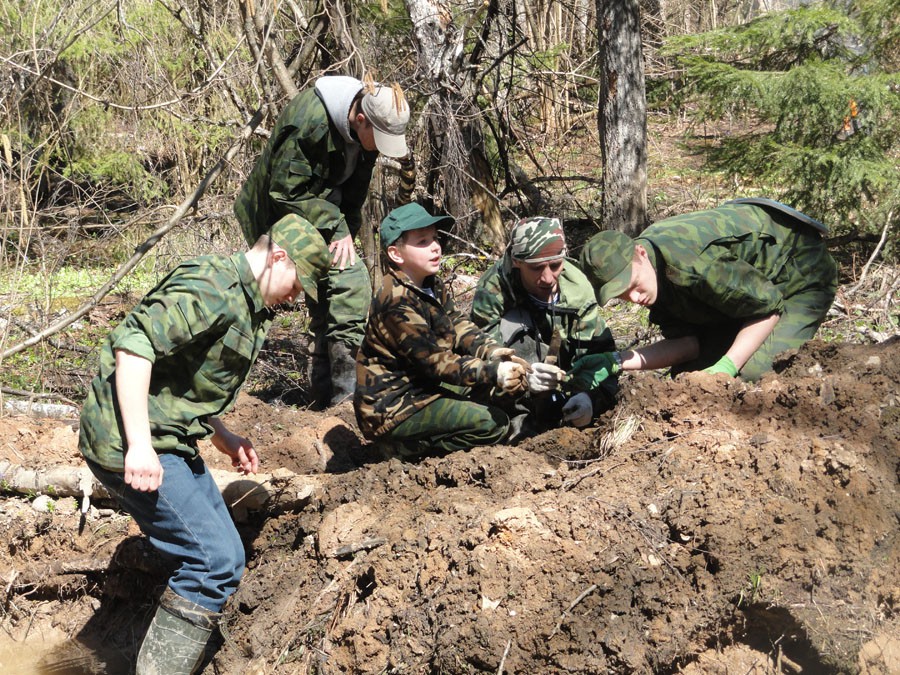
(300, 171)
(500, 297)
(306, 248)
(719, 268)
(344, 297)
(447, 424)
(202, 328)
(415, 343)
(537, 239)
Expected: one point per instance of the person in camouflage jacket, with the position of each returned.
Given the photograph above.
(167, 373)
(422, 361)
(318, 164)
(533, 291)
(729, 288)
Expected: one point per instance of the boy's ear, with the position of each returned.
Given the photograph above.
(393, 253)
(276, 254)
(640, 252)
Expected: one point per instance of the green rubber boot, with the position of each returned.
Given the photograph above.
(176, 639)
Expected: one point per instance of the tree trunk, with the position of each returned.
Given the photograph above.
(622, 117)
(282, 489)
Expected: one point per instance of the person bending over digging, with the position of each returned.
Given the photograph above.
(167, 374)
(730, 287)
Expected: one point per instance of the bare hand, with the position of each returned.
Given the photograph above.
(243, 454)
(343, 251)
(143, 472)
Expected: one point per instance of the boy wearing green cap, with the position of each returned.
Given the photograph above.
(422, 362)
(167, 373)
(729, 288)
(537, 301)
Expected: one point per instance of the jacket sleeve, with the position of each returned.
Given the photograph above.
(488, 304)
(299, 167)
(417, 344)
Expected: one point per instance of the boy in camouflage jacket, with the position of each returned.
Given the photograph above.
(729, 288)
(167, 373)
(318, 164)
(536, 300)
(421, 360)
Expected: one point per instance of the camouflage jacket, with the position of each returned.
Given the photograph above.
(299, 172)
(413, 344)
(728, 264)
(577, 315)
(202, 328)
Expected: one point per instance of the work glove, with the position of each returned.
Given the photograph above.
(544, 377)
(509, 354)
(589, 371)
(723, 365)
(578, 410)
(511, 377)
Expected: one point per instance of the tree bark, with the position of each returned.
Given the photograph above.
(282, 489)
(622, 117)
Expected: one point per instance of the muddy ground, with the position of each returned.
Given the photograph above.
(705, 526)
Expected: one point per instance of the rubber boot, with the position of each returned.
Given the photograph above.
(342, 360)
(176, 639)
(320, 374)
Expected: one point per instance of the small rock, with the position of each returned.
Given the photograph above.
(43, 503)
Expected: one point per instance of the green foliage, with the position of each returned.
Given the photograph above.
(794, 77)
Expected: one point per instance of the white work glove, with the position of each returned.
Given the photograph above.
(511, 377)
(578, 410)
(544, 377)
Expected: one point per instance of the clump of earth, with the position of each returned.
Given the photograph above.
(706, 525)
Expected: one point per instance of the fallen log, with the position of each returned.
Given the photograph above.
(280, 490)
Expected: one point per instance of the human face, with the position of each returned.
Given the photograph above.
(643, 287)
(279, 283)
(365, 132)
(540, 279)
(417, 253)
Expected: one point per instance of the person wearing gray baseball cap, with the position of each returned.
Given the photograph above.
(318, 165)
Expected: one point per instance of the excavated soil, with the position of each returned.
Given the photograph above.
(705, 526)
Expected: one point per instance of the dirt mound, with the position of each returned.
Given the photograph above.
(706, 525)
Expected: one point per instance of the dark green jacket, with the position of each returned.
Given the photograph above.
(731, 264)
(299, 172)
(202, 328)
(413, 344)
(577, 314)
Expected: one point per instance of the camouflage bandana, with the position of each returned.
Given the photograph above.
(307, 249)
(535, 240)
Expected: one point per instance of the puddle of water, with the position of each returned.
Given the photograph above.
(22, 658)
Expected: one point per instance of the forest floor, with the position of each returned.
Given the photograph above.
(705, 525)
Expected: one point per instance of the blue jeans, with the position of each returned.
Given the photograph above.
(187, 521)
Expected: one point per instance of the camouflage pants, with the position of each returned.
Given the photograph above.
(450, 423)
(344, 299)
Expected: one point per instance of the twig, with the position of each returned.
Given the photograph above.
(503, 659)
(878, 247)
(586, 592)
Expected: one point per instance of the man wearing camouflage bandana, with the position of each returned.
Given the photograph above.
(318, 164)
(167, 374)
(730, 287)
(532, 292)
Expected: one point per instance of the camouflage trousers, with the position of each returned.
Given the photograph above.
(803, 313)
(452, 422)
(343, 306)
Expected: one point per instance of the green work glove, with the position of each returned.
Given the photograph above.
(589, 371)
(723, 365)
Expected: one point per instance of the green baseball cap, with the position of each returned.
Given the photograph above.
(606, 260)
(409, 217)
(307, 249)
(538, 239)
